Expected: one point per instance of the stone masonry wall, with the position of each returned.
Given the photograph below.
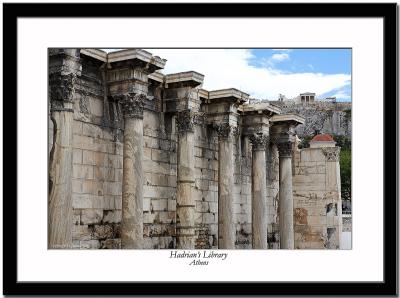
(206, 185)
(160, 170)
(97, 167)
(317, 202)
(206, 177)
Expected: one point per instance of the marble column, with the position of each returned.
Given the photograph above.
(259, 191)
(285, 195)
(60, 168)
(132, 178)
(185, 199)
(226, 226)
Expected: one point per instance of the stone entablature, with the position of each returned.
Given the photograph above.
(233, 93)
(97, 54)
(194, 78)
(159, 162)
(152, 62)
(157, 76)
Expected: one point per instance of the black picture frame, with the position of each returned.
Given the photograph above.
(11, 12)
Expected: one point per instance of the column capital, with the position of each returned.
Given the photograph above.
(132, 104)
(285, 148)
(331, 153)
(225, 130)
(259, 141)
(62, 90)
(185, 121)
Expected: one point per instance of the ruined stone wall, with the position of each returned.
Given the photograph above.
(97, 172)
(206, 186)
(206, 177)
(325, 117)
(160, 170)
(97, 162)
(317, 201)
(97, 166)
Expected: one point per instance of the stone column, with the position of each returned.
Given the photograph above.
(132, 178)
(285, 195)
(333, 186)
(226, 226)
(60, 168)
(259, 191)
(185, 199)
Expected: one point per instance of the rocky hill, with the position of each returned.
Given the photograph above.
(325, 117)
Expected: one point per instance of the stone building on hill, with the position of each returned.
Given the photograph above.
(138, 159)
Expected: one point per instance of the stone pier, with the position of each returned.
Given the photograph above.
(185, 205)
(132, 181)
(259, 191)
(283, 136)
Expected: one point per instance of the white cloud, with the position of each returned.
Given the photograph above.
(283, 50)
(279, 57)
(230, 68)
(342, 94)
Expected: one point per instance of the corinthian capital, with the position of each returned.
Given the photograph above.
(285, 149)
(259, 141)
(185, 121)
(331, 153)
(132, 104)
(225, 130)
(62, 90)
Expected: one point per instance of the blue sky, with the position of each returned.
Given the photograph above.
(266, 73)
(328, 61)
(325, 61)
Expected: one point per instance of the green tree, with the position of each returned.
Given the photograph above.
(345, 173)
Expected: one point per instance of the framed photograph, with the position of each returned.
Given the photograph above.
(200, 149)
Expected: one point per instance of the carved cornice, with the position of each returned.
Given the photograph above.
(285, 149)
(331, 153)
(259, 141)
(225, 130)
(132, 104)
(62, 90)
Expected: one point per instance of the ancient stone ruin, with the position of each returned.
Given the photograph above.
(138, 159)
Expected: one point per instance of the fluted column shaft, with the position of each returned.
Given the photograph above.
(60, 169)
(132, 177)
(226, 226)
(259, 191)
(185, 199)
(286, 196)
